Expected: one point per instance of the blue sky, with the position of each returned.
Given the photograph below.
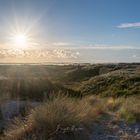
(76, 30)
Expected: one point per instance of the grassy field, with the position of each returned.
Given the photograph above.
(71, 97)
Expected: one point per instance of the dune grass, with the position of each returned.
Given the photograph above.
(125, 108)
(63, 116)
(62, 112)
(130, 110)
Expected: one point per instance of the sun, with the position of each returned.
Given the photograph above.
(21, 39)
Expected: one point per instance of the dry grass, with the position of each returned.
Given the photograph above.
(130, 110)
(69, 117)
(126, 108)
(61, 112)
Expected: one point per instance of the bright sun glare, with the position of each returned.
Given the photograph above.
(21, 39)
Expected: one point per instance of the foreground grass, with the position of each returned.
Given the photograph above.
(130, 110)
(59, 115)
(63, 118)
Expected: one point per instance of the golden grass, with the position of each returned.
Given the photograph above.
(64, 115)
(130, 109)
(44, 120)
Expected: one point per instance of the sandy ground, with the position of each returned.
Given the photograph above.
(110, 127)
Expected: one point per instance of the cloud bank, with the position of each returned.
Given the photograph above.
(36, 54)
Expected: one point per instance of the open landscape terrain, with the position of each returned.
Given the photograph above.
(70, 102)
(69, 69)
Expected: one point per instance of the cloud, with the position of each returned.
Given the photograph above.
(107, 47)
(42, 53)
(134, 55)
(129, 25)
(62, 44)
(61, 53)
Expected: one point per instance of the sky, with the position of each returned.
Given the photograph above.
(85, 31)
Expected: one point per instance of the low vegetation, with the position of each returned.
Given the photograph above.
(72, 98)
(61, 117)
(129, 110)
(56, 115)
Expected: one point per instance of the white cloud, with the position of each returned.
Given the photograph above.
(42, 53)
(107, 47)
(62, 44)
(62, 53)
(134, 55)
(129, 25)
